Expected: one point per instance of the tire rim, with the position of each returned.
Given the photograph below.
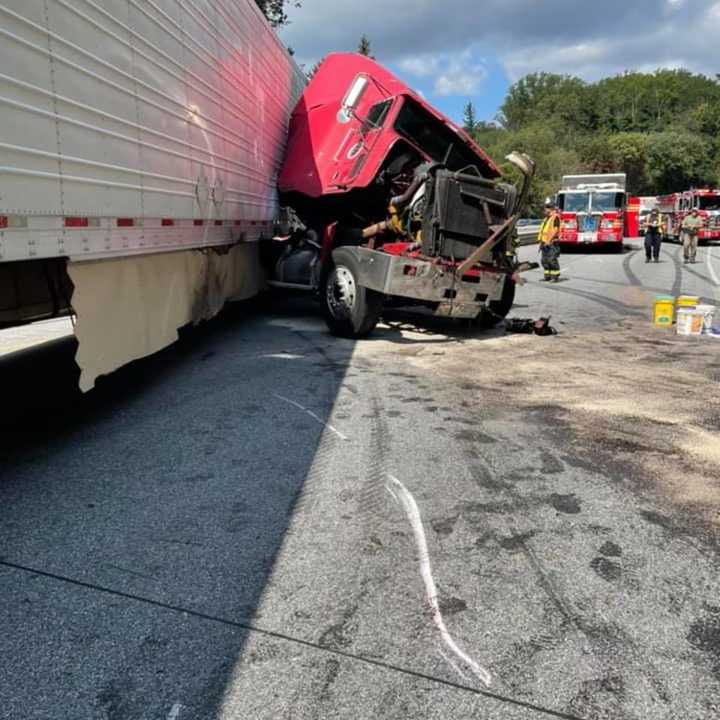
(341, 291)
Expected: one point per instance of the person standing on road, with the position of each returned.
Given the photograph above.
(654, 231)
(549, 238)
(691, 225)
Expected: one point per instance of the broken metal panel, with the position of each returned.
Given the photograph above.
(128, 308)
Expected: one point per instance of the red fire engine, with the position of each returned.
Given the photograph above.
(592, 209)
(676, 206)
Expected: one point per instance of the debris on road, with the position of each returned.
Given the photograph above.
(528, 326)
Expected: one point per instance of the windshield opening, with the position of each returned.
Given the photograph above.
(574, 202)
(709, 203)
(607, 201)
(378, 114)
(438, 141)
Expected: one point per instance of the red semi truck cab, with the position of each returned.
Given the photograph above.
(676, 206)
(392, 203)
(592, 209)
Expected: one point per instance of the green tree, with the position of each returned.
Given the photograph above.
(676, 161)
(469, 118)
(275, 10)
(364, 47)
(541, 96)
(662, 129)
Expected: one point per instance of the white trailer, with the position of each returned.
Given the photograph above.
(140, 142)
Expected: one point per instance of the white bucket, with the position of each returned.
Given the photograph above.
(708, 312)
(690, 321)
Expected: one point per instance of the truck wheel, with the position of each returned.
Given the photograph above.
(350, 310)
(496, 311)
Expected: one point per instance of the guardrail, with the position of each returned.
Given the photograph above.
(528, 235)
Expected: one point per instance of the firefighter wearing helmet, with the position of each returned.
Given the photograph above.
(548, 239)
(654, 231)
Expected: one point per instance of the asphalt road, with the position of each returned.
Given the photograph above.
(267, 522)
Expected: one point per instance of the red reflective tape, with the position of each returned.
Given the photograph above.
(218, 222)
(77, 222)
(198, 223)
(238, 222)
(3, 221)
(125, 222)
(167, 222)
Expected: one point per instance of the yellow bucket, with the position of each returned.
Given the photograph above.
(685, 301)
(664, 309)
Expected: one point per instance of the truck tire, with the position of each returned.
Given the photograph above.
(497, 310)
(350, 310)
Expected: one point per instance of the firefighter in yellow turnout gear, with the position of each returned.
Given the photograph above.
(549, 238)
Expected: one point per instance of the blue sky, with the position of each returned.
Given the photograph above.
(459, 50)
(485, 85)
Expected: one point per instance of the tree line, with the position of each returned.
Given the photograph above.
(660, 128)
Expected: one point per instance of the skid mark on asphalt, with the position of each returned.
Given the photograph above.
(313, 415)
(590, 635)
(677, 284)
(629, 274)
(406, 500)
(618, 307)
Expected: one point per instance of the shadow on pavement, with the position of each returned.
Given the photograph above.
(140, 523)
(171, 486)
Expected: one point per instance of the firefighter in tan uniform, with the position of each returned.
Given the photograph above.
(549, 238)
(691, 226)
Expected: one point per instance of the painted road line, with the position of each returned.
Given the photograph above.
(404, 497)
(713, 274)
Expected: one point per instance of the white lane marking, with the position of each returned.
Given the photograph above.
(398, 490)
(284, 356)
(712, 272)
(174, 713)
(312, 415)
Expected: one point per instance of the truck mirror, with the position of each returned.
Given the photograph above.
(352, 99)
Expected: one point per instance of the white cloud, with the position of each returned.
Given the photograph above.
(453, 73)
(591, 40)
(421, 66)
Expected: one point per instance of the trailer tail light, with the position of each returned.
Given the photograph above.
(125, 222)
(167, 222)
(218, 222)
(3, 222)
(77, 222)
(198, 223)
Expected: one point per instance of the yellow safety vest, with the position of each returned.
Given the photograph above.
(549, 230)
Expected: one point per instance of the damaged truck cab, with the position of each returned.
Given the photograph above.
(391, 202)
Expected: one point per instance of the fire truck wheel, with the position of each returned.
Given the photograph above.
(350, 310)
(497, 309)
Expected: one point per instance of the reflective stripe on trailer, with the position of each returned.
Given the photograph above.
(30, 237)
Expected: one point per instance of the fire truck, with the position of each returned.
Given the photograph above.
(592, 210)
(676, 206)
